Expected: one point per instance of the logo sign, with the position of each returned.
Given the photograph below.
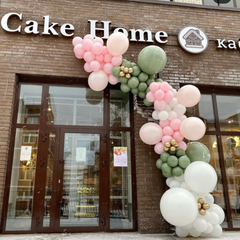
(193, 40)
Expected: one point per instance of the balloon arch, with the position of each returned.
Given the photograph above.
(188, 204)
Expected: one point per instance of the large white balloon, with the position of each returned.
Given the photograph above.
(219, 211)
(178, 206)
(151, 133)
(200, 177)
(98, 81)
(188, 95)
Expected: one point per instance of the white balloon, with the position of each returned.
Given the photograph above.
(178, 206)
(173, 102)
(200, 177)
(194, 194)
(203, 234)
(214, 218)
(188, 227)
(188, 95)
(209, 228)
(209, 199)
(194, 233)
(181, 118)
(200, 224)
(174, 184)
(155, 114)
(181, 232)
(151, 133)
(168, 108)
(184, 185)
(163, 115)
(98, 81)
(179, 109)
(217, 231)
(168, 181)
(219, 211)
(174, 92)
(172, 115)
(207, 216)
(180, 179)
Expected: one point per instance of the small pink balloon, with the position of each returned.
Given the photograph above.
(117, 43)
(79, 51)
(98, 40)
(105, 50)
(99, 58)
(165, 86)
(150, 97)
(97, 48)
(101, 65)
(77, 40)
(159, 148)
(87, 44)
(116, 60)
(88, 57)
(159, 105)
(168, 131)
(107, 68)
(87, 67)
(159, 94)
(95, 65)
(178, 136)
(164, 123)
(182, 145)
(107, 58)
(175, 124)
(166, 138)
(113, 80)
(154, 87)
(88, 36)
(168, 96)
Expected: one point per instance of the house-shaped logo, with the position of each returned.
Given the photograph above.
(193, 40)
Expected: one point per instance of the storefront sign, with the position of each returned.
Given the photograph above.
(120, 157)
(26, 153)
(231, 44)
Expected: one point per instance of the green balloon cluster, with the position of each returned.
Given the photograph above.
(173, 163)
(137, 81)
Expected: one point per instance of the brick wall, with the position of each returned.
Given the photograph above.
(43, 55)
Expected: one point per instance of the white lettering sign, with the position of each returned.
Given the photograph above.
(26, 153)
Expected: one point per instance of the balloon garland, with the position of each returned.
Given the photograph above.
(188, 204)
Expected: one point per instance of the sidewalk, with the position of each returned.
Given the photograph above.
(111, 236)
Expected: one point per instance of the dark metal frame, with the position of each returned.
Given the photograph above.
(59, 130)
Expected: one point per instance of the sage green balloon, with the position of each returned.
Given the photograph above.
(115, 71)
(158, 80)
(167, 174)
(136, 71)
(147, 103)
(172, 161)
(166, 170)
(183, 161)
(125, 87)
(134, 90)
(152, 59)
(133, 64)
(141, 94)
(133, 82)
(126, 63)
(159, 163)
(177, 171)
(142, 86)
(164, 156)
(197, 151)
(148, 90)
(123, 80)
(149, 81)
(143, 77)
(180, 152)
(172, 152)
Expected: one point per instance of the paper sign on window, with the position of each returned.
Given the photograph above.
(81, 154)
(26, 153)
(120, 156)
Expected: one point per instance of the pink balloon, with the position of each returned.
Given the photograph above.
(116, 60)
(165, 86)
(117, 43)
(95, 65)
(168, 131)
(175, 124)
(159, 148)
(168, 96)
(87, 67)
(159, 94)
(79, 51)
(164, 123)
(88, 57)
(98, 40)
(101, 65)
(182, 145)
(87, 44)
(105, 50)
(159, 105)
(77, 40)
(107, 68)
(97, 48)
(99, 58)
(178, 136)
(154, 87)
(151, 133)
(113, 80)
(98, 81)
(107, 58)
(150, 97)
(192, 128)
(166, 138)
(188, 95)
(88, 36)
